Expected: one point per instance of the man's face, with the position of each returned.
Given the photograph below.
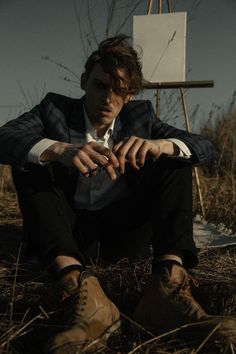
(102, 104)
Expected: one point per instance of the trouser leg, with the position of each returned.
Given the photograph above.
(172, 211)
(48, 220)
(163, 196)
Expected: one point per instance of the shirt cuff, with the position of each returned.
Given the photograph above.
(37, 150)
(184, 150)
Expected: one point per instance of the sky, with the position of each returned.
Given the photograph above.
(34, 34)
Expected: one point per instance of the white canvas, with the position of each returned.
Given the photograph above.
(162, 39)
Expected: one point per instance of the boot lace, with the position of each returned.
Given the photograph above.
(76, 303)
(182, 292)
(181, 289)
(80, 298)
(184, 287)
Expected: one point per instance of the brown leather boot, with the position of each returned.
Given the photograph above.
(167, 304)
(94, 318)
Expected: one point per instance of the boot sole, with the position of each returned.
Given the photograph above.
(92, 347)
(196, 332)
(101, 341)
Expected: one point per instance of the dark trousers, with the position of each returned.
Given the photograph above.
(158, 211)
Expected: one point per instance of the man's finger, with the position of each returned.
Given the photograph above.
(132, 155)
(107, 154)
(85, 165)
(117, 146)
(123, 150)
(142, 153)
(111, 172)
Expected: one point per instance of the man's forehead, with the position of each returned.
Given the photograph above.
(102, 76)
(99, 74)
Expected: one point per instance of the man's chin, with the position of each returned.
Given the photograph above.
(106, 119)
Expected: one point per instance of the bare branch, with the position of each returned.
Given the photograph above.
(128, 16)
(91, 24)
(78, 20)
(24, 94)
(110, 16)
(46, 57)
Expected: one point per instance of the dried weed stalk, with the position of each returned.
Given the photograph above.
(38, 315)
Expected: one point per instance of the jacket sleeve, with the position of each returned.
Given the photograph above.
(19, 135)
(201, 148)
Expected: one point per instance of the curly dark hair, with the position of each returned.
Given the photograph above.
(116, 53)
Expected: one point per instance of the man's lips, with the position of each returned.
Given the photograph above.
(105, 109)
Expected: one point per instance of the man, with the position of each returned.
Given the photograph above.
(99, 169)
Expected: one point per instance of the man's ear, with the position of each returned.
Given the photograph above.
(83, 81)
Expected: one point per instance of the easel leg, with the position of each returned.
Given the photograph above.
(187, 123)
(158, 103)
(184, 105)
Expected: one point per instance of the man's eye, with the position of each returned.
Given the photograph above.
(121, 92)
(100, 85)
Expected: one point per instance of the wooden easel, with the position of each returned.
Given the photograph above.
(180, 86)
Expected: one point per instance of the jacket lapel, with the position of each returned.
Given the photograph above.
(121, 129)
(76, 123)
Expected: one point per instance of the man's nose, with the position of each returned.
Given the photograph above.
(108, 96)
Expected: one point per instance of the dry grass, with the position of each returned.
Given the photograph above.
(31, 311)
(218, 180)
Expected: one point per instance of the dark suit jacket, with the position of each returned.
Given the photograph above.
(61, 118)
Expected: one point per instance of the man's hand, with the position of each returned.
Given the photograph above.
(135, 150)
(86, 158)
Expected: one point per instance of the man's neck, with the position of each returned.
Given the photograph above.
(100, 128)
